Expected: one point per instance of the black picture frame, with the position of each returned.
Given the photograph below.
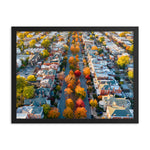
(14, 29)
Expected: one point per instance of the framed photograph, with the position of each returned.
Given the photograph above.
(74, 75)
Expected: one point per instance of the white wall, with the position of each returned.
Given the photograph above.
(78, 13)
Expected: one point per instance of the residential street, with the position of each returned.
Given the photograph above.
(62, 105)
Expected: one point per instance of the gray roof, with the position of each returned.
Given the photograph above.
(35, 101)
(122, 113)
(41, 90)
(26, 109)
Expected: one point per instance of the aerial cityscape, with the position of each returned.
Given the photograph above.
(74, 75)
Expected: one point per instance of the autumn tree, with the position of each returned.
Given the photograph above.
(93, 103)
(53, 113)
(101, 39)
(21, 35)
(130, 74)
(32, 43)
(80, 92)
(74, 49)
(122, 34)
(31, 78)
(131, 49)
(69, 103)
(45, 53)
(29, 36)
(70, 78)
(68, 113)
(21, 45)
(68, 91)
(86, 71)
(77, 73)
(28, 92)
(71, 60)
(70, 86)
(123, 61)
(45, 43)
(66, 47)
(94, 48)
(80, 103)
(87, 77)
(80, 113)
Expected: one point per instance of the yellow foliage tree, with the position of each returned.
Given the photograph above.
(68, 113)
(32, 43)
(66, 47)
(80, 113)
(130, 74)
(29, 36)
(86, 71)
(21, 35)
(123, 61)
(69, 103)
(80, 92)
(31, 78)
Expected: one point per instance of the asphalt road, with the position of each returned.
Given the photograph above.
(62, 105)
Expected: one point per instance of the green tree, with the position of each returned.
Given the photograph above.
(46, 109)
(100, 50)
(20, 82)
(28, 92)
(58, 87)
(45, 43)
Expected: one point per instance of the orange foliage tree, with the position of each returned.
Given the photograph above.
(68, 113)
(70, 86)
(71, 60)
(74, 49)
(68, 91)
(53, 113)
(86, 71)
(70, 78)
(69, 103)
(93, 103)
(80, 113)
(76, 39)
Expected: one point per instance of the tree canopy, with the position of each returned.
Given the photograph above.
(130, 74)
(45, 43)
(31, 78)
(80, 113)
(28, 92)
(68, 113)
(123, 61)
